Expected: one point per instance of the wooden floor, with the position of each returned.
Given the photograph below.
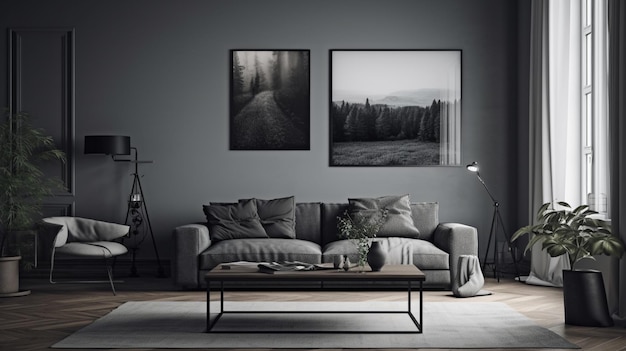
(52, 312)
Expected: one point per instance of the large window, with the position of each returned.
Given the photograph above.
(594, 47)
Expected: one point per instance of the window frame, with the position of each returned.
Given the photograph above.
(594, 102)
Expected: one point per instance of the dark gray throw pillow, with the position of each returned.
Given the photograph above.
(234, 221)
(399, 219)
(278, 217)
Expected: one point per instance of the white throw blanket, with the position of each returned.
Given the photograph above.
(399, 250)
(469, 279)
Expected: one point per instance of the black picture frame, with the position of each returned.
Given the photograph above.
(270, 99)
(392, 107)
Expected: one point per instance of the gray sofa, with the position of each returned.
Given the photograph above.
(436, 252)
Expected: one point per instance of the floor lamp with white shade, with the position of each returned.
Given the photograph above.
(496, 222)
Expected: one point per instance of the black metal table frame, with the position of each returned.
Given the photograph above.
(418, 324)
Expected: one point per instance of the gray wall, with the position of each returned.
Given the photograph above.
(159, 72)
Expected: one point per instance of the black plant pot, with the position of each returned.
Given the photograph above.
(585, 299)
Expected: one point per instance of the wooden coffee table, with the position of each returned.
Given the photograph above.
(389, 273)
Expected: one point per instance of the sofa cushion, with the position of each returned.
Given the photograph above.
(426, 218)
(278, 217)
(77, 229)
(426, 255)
(234, 221)
(399, 221)
(308, 221)
(330, 212)
(92, 249)
(260, 250)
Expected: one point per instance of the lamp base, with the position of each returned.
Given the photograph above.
(498, 254)
(133, 266)
(137, 191)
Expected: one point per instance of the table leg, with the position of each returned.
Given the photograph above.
(418, 324)
(421, 307)
(210, 324)
(208, 307)
(409, 295)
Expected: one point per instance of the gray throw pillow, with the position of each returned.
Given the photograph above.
(236, 221)
(399, 219)
(278, 217)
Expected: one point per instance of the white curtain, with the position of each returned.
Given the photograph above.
(554, 120)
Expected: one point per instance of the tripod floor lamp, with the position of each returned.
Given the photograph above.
(116, 145)
(496, 222)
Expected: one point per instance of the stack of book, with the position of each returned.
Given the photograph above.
(285, 266)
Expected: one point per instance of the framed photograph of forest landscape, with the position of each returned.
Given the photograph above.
(395, 107)
(270, 100)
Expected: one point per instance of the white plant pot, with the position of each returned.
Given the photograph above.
(10, 277)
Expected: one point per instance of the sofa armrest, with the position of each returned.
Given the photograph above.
(189, 241)
(456, 239)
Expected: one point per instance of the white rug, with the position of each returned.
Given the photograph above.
(165, 324)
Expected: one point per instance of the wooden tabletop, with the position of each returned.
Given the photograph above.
(250, 273)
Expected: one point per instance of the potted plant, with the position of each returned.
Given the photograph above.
(360, 229)
(23, 187)
(577, 234)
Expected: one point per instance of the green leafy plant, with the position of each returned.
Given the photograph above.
(572, 232)
(23, 185)
(360, 228)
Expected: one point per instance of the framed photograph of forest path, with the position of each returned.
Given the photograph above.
(270, 100)
(395, 107)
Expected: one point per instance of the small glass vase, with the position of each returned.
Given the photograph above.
(362, 263)
(362, 250)
(346, 263)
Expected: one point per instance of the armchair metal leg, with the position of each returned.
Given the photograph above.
(108, 269)
(110, 274)
(52, 267)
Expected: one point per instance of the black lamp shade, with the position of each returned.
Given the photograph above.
(107, 144)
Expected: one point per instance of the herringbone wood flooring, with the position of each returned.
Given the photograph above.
(53, 312)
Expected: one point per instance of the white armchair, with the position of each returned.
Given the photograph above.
(89, 238)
